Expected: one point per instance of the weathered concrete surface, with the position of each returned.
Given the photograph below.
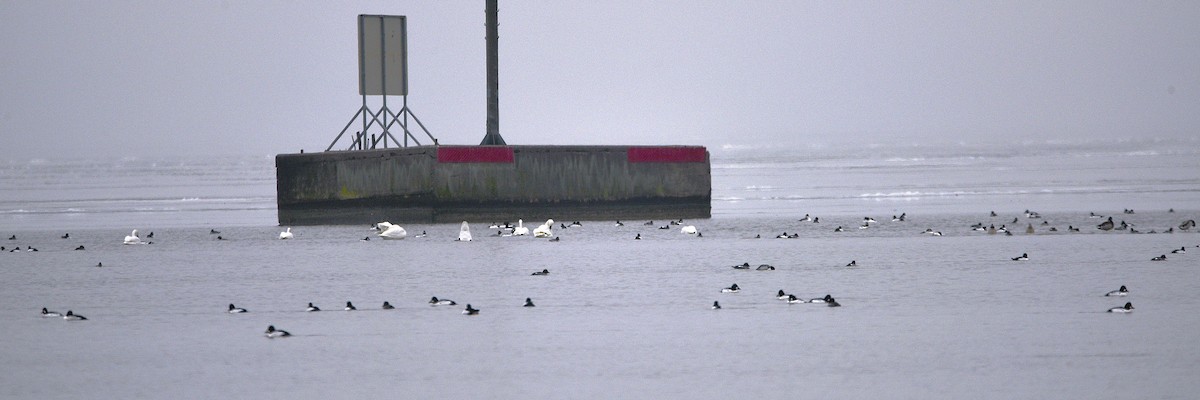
(563, 182)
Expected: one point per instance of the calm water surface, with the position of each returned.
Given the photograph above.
(922, 316)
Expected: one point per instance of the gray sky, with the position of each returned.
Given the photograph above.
(117, 79)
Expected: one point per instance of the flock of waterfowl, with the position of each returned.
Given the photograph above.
(390, 231)
(1105, 226)
(274, 333)
(828, 300)
(271, 332)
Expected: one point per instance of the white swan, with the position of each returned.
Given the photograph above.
(690, 230)
(520, 230)
(133, 238)
(286, 234)
(383, 226)
(393, 232)
(543, 231)
(464, 233)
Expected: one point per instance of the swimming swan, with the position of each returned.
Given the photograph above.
(133, 238)
(520, 230)
(393, 232)
(688, 230)
(543, 231)
(286, 234)
(464, 232)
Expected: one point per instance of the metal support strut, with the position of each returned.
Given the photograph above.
(383, 119)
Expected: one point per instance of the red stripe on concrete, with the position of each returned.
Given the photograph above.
(668, 154)
(488, 154)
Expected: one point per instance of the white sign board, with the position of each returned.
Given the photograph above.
(382, 55)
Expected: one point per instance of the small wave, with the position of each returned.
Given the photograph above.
(743, 166)
(226, 199)
(892, 194)
(1143, 153)
(771, 198)
(153, 209)
(1015, 192)
(761, 188)
(46, 211)
(913, 193)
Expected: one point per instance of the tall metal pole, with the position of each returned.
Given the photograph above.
(493, 76)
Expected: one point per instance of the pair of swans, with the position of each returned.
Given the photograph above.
(396, 232)
(133, 238)
(542, 231)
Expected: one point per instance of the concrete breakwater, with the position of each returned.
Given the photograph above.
(493, 183)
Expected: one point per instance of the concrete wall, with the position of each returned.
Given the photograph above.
(411, 184)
